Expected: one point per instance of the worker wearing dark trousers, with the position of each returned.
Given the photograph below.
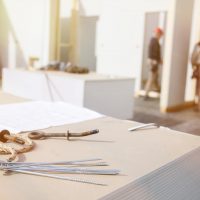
(154, 60)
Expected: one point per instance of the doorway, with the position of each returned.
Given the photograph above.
(152, 20)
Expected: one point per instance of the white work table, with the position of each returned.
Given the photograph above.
(109, 95)
(135, 154)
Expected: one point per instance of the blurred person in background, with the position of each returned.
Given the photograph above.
(195, 60)
(154, 60)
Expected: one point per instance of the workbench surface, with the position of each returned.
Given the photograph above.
(133, 153)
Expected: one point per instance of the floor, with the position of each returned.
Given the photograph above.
(148, 111)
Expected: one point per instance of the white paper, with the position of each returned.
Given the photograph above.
(39, 115)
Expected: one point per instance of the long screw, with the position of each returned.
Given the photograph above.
(59, 177)
(42, 169)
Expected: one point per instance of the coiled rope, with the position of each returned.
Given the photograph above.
(7, 149)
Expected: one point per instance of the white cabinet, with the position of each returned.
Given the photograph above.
(112, 96)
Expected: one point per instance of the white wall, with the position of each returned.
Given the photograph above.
(120, 36)
(176, 53)
(24, 31)
(144, 5)
(119, 47)
(195, 37)
(90, 7)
